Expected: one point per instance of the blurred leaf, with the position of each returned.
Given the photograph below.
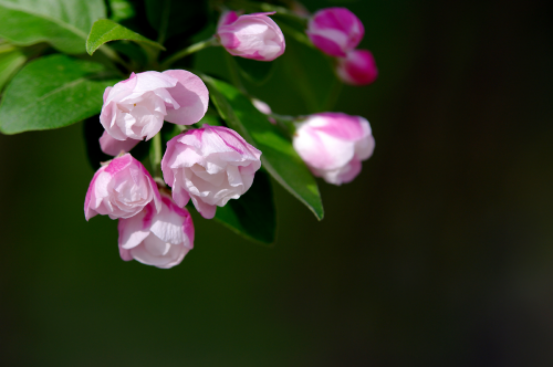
(121, 10)
(62, 23)
(10, 62)
(105, 30)
(253, 215)
(279, 157)
(53, 92)
(182, 16)
(135, 54)
(257, 72)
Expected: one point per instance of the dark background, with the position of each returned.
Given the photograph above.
(439, 253)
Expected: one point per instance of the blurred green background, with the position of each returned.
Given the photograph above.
(439, 253)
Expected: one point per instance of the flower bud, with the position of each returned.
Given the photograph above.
(251, 36)
(335, 31)
(136, 108)
(357, 68)
(113, 147)
(157, 239)
(333, 145)
(120, 189)
(210, 165)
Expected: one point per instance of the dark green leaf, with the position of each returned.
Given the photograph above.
(53, 92)
(121, 10)
(279, 157)
(62, 23)
(253, 215)
(10, 62)
(257, 72)
(105, 30)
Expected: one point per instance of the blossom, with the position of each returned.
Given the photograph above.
(335, 31)
(136, 107)
(210, 165)
(357, 68)
(251, 36)
(158, 239)
(120, 189)
(113, 147)
(333, 145)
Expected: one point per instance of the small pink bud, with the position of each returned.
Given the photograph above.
(113, 147)
(120, 189)
(251, 36)
(357, 68)
(335, 31)
(157, 239)
(210, 165)
(333, 145)
(136, 108)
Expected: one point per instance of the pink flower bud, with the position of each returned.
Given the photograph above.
(335, 31)
(120, 189)
(333, 145)
(251, 36)
(209, 165)
(357, 68)
(113, 147)
(157, 239)
(135, 108)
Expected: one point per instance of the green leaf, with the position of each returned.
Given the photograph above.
(62, 23)
(253, 215)
(121, 10)
(53, 92)
(105, 30)
(10, 62)
(279, 157)
(257, 72)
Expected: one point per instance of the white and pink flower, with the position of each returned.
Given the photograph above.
(113, 147)
(121, 189)
(136, 108)
(333, 145)
(357, 68)
(210, 165)
(251, 36)
(335, 31)
(157, 239)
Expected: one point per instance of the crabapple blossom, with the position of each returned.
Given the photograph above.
(251, 36)
(357, 68)
(157, 239)
(113, 147)
(136, 107)
(335, 31)
(121, 189)
(333, 145)
(210, 165)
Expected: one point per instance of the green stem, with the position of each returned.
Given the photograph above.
(187, 51)
(165, 11)
(234, 73)
(155, 155)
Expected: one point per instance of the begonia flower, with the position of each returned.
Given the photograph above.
(157, 239)
(333, 145)
(210, 165)
(121, 189)
(335, 31)
(357, 68)
(113, 147)
(251, 36)
(136, 107)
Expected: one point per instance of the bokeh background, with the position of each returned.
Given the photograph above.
(439, 253)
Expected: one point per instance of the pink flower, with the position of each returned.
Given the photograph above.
(210, 165)
(113, 147)
(335, 31)
(120, 189)
(251, 36)
(357, 68)
(157, 239)
(333, 145)
(135, 108)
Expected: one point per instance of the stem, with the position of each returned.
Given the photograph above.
(285, 122)
(234, 73)
(155, 155)
(189, 50)
(106, 50)
(164, 21)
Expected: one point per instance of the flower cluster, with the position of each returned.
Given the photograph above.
(210, 165)
(337, 32)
